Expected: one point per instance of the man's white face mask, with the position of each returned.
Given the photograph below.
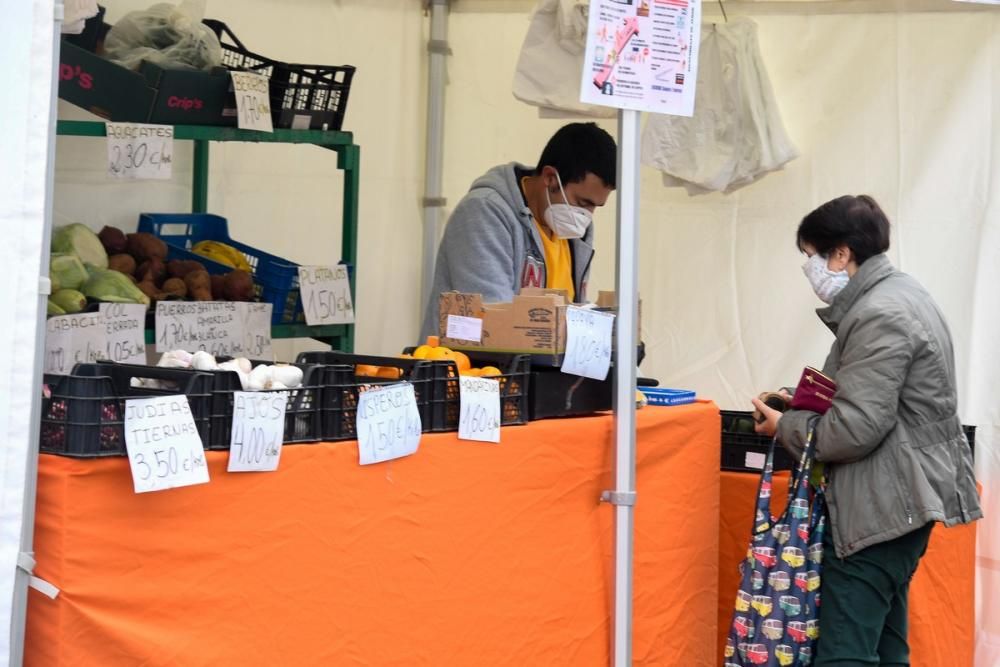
(565, 220)
(826, 283)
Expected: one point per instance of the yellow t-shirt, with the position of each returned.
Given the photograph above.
(558, 261)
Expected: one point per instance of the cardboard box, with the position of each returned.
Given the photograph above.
(102, 87)
(533, 323)
(189, 97)
(151, 95)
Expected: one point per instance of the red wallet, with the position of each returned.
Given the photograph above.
(814, 392)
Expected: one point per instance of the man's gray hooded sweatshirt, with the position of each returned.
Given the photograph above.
(492, 246)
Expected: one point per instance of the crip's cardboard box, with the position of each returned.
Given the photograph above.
(533, 323)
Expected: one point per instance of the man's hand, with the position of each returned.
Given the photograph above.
(771, 416)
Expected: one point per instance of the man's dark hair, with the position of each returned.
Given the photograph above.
(857, 222)
(578, 149)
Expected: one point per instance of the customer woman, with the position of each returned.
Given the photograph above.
(895, 455)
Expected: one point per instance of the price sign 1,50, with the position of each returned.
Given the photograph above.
(388, 423)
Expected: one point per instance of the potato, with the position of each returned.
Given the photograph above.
(114, 241)
(151, 290)
(175, 287)
(178, 268)
(144, 246)
(218, 286)
(199, 285)
(152, 270)
(237, 286)
(122, 262)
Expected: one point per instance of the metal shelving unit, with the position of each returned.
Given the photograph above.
(339, 336)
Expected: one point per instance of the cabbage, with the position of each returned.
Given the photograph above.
(67, 272)
(112, 287)
(78, 239)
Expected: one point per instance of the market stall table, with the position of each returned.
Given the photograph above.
(463, 554)
(942, 593)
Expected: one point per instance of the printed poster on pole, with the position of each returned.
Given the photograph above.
(642, 55)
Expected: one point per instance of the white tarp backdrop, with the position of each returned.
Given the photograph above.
(24, 145)
(901, 106)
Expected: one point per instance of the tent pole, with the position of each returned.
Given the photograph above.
(434, 201)
(627, 289)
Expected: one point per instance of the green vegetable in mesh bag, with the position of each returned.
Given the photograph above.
(66, 271)
(112, 287)
(78, 239)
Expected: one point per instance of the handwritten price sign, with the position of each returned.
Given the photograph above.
(388, 423)
(224, 328)
(588, 342)
(253, 101)
(115, 333)
(140, 151)
(479, 416)
(164, 448)
(326, 295)
(258, 431)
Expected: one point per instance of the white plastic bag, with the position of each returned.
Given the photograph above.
(548, 69)
(736, 134)
(170, 36)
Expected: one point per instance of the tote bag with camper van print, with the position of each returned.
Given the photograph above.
(776, 620)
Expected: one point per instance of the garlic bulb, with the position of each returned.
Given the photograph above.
(288, 375)
(203, 361)
(260, 378)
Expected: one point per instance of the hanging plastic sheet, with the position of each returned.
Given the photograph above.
(548, 69)
(736, 134)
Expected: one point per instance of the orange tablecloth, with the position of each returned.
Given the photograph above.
(463, 554)
(942, 594)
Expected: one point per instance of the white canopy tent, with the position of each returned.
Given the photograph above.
(897, 99)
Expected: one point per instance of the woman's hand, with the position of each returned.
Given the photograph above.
(769, 426)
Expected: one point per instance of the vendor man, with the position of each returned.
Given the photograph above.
(528, 227)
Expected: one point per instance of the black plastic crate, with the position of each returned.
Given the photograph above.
(302, 412)
(514, 378)
(94, 31)
(83, 414)
(341, 387)
(970, 435)
(739, 440)
(302, 96)
(558, 394)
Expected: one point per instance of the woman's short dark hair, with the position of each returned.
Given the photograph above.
(855, 221)
(578, 149)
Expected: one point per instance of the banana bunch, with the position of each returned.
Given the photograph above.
(223, 254)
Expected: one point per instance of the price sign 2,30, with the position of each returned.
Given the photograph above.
(139, 150)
